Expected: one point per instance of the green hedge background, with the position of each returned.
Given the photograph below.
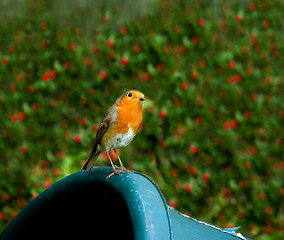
(212, 71)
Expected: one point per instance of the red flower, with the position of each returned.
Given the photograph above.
(231, 64)
(104, 156)
(66, 64)
(250, 69)
(147, 76)
(47, 182)
(87, 62)
(45, 77)
(162, 114)
(92, 91)
(124, 61)
(102, 75)
(110, 43)
(78, 139)
(123, 30)
(72, 46)
(254, 96)
(6, 196)
(198, 120)
(201, 22)
(193, 170)
(2, 215)
(23, 149)
(253, 149)
(143, 126)
(111, 55)
(160, 67)
(184, 85)
(239, 18)
(247, 165)
(193, 149)
(267, 229)
(234, 123)
(34, 195)
(267, 80)
(238, 78)
(195, 40)
(247, 114)
(226, 125)
(251, 6)
(206, 177)
(165, 49)
(6, 133)
(44, 44)
(14, 118)
(177, 133)
(106, 19)
(137, 48)
(181, 49)
(173, 204)
(268, 210)
(187, 187)
(43, 25)
(35, 106)
(177, 102)
(52, 74)
(56, 171)
(83, 101)
(173, 173)
(12, 48)
(21, 116)
(177, 29)
(113, 155)
(31, 88)
(5, 61)
(13, 215)
(261, 195)
(231, 80)
(13, 87)
(194, 75)
(242, 183)
(265, 24)
(58, 154)
(202, 63)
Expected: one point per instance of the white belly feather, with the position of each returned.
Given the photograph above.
(123, 140)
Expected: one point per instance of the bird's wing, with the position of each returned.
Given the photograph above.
(108, 119)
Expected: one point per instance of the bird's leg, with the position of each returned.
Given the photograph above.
(118, 172)
(121, 164)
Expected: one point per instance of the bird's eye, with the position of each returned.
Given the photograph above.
(129, 94)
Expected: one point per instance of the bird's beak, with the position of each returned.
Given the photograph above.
(141, 99)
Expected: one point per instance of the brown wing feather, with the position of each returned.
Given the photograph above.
(106, 122)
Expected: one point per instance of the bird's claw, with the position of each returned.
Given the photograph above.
(124, 170)
(118, 172)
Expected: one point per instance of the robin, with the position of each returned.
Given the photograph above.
(119, 126)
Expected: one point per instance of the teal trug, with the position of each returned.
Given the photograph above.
(85, 205)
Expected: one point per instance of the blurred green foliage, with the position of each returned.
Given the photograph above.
(212, 71)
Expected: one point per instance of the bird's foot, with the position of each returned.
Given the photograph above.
(118, 172)
(127, 170)
(123, 169)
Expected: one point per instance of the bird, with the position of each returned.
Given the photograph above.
(119, 126)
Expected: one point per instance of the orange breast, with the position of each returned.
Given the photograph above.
(127, 117)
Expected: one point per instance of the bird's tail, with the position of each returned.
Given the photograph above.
(90, 162)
